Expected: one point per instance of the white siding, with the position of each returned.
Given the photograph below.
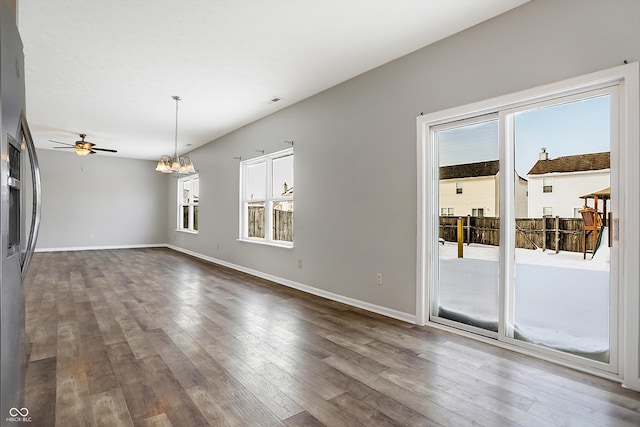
(567, 189)
(521, 189)
(477, 193)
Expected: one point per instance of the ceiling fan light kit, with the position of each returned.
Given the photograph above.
(178, 165)
(82, 150)
(82, 147)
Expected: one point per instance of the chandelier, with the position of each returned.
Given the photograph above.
(175, 164)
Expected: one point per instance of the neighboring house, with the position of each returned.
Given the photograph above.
(472, 189)
(285, 205)
(555, 185)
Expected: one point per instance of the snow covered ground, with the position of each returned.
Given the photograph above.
(561, 300)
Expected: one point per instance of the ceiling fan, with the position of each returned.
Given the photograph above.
(82, 147)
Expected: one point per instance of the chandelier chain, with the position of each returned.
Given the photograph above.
(177, 99)
(176, 165)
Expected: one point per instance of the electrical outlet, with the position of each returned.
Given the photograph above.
(379, 278)
(299, 263)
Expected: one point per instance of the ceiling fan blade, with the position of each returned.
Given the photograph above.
(104, 149)
(62, 147)
(63, 143)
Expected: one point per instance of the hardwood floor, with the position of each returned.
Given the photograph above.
(151, 337)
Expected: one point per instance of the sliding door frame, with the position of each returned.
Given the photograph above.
(626, 78)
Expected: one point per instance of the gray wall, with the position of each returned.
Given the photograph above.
(355, 146)
(100, 201)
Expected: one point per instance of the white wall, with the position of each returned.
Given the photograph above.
(355, 146)
(100, 201)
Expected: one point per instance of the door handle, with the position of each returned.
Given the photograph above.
(37, 194)
(610, 225)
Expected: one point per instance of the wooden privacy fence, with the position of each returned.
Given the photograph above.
(255, 221)
(531, 233)
(282, 223)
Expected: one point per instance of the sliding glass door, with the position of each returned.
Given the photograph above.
(468, 167)
(563, 297)
(524, 200)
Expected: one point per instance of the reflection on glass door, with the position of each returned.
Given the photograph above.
(468, 206)
(562, 285)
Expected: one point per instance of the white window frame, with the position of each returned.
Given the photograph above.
(191, 205)
(547, 182)
(626, 231)
(268, 201)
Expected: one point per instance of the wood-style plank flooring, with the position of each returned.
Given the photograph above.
(152, 337)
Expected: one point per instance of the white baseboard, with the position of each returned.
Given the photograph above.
(399, 315)
(97, 248)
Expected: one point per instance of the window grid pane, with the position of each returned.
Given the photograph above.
(185, 217)
(186, 192)
(255, 186)
(196, 190)
(282, 177)
(283, 221)
(255, 220)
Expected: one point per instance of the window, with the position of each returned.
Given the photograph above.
(547, 185)
(479, 212)
(458, 188)
(188, 198)
(266, 191)
(547, 212)
(446, 211)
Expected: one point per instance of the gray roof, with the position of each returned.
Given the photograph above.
(578, 163)
(470, 170)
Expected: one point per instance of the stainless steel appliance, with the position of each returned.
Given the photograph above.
(19, 216)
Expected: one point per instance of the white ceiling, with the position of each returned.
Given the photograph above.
(109, 68)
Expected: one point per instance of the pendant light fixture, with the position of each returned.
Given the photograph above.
(175, 164)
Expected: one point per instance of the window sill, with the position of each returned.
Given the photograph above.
(187, 231)
(268, 243)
